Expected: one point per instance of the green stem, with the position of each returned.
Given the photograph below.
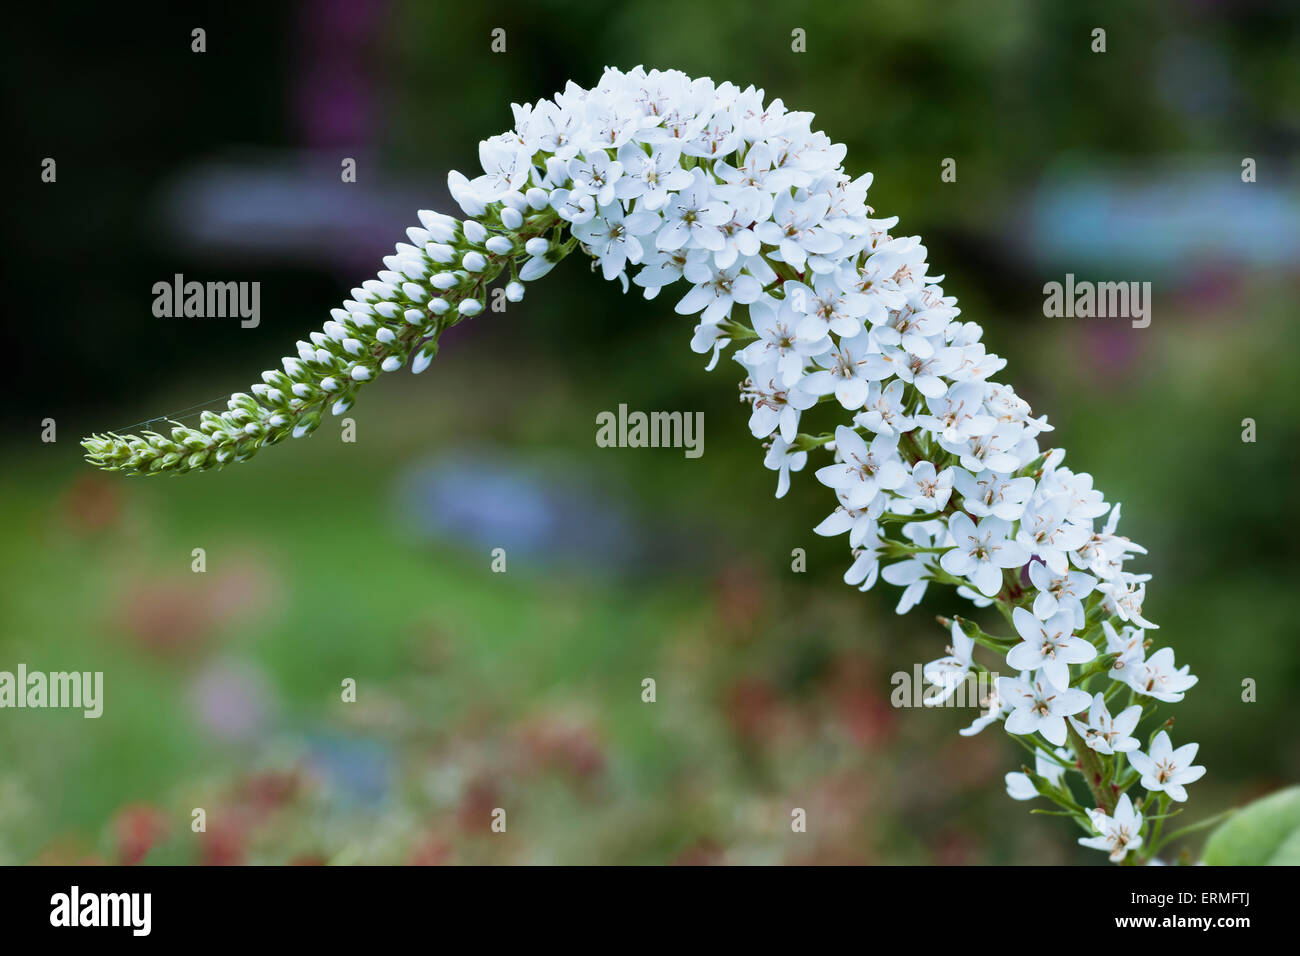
(1094, 774)
(1192, 828)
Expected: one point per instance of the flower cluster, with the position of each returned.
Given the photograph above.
(937, 470)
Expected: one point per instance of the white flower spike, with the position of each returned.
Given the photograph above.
(937, 473)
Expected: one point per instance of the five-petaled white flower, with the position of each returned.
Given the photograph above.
(884, 411)
(1046, 532)
(1049, 645)
(692, 218)
(1106, 734)
(650, 177)
(596, 174)
(797, 231)
(927, 489)
(847, 369)
(612, 237)
(1063, 592)
(1157, 677)
(981, 552)
(989, 493)
(1039, 707)
(864, 470)
(1165, 769)
(774, 321)
(1119, 834)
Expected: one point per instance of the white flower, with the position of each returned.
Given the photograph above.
(783, 459)
(927, 489)
(774, 321)
(995, 451)
(650, 177)
(1021, 787)
(506, 165)
(775, 404)
(1157, 677)
(1039, 707)
(1105, 734)
(557, 130)
(1104, 552)
(754, 175)
(865, 568)
(976, 365)
(1049, 645)
(596, 174)
(864, 470)
(859, 522)
(796, 230)
(996, 708)
(1044, 531)
(719, 292)
(913, 576)
(925, 372)
(716, 139)
(1085, 502)
(826, 308)
(611, 237)
(915, 329)
(709, 337)
(574, 207)
(1129, 647)
(981, 552)
(970, 594)
(848, 370)
(535, 268)
(886, 275)
(664, 268)
(1119, 834)
(957, 415)
(1060, 592)
(1005, 405)
(692, 217)
(1124, 596)
(1165, 769)
(465, 195)
(989, 493)
(883, 412)
(739, 240)
(948, 672)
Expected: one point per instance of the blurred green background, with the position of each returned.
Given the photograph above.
(370, 560)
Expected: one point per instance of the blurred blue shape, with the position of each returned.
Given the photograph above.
(1170, 221)
(491, 499)
(287, 206)
(357, 771)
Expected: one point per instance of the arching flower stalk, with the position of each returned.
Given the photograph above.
(937, 470)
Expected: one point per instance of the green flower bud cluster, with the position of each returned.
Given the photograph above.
(430, 284)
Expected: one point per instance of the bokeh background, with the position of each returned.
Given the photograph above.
(370, 560)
